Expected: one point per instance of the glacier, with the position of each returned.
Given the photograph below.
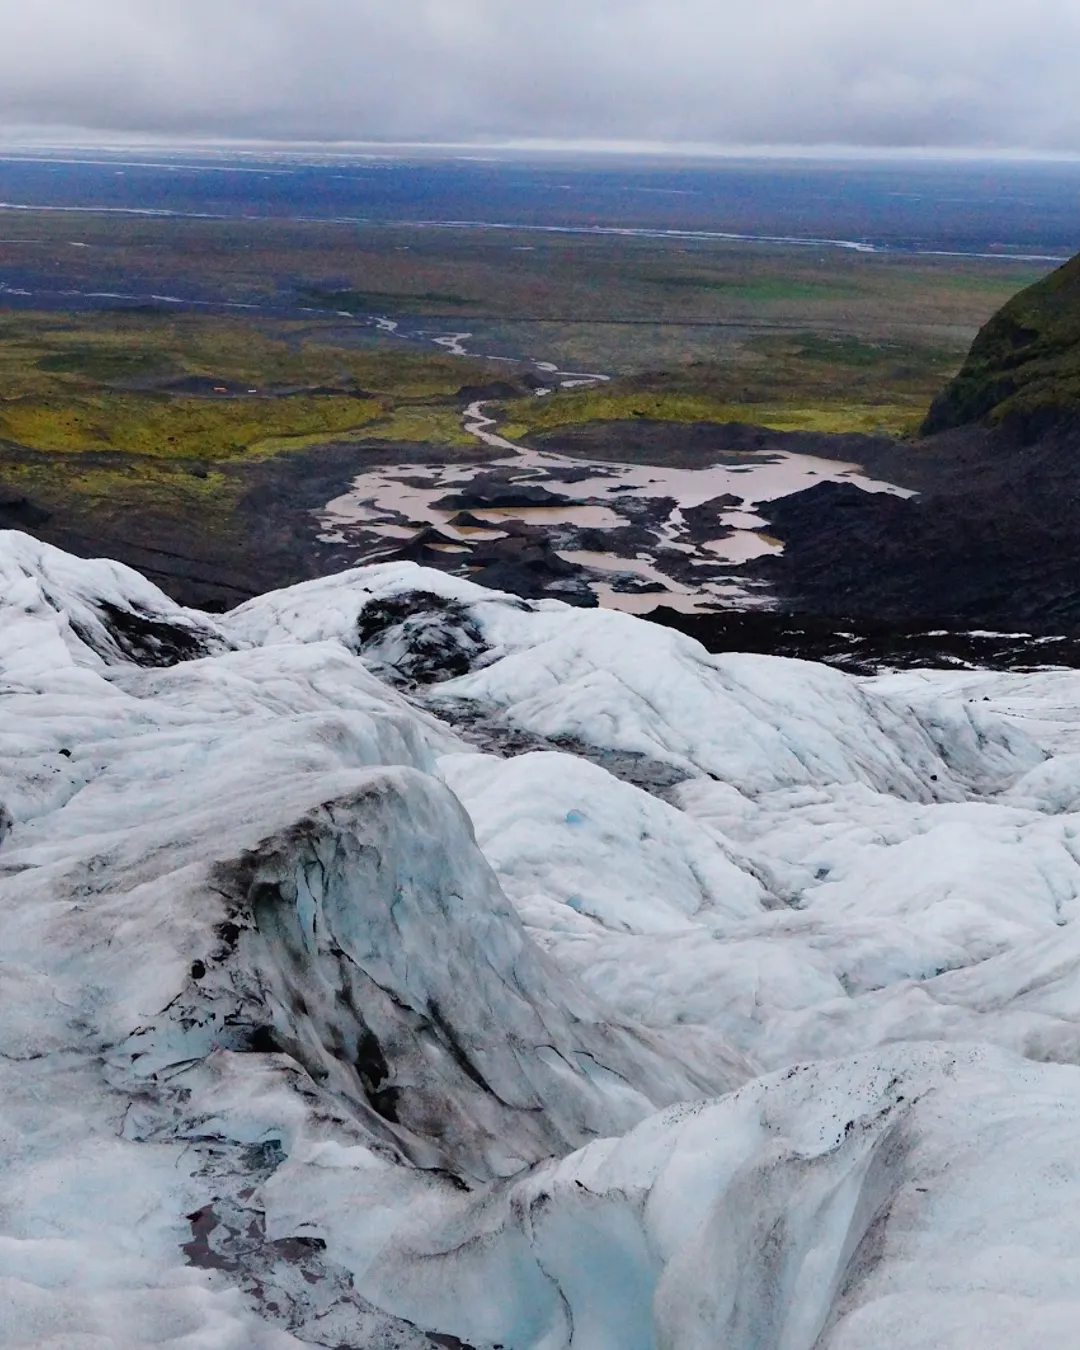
(396, 963)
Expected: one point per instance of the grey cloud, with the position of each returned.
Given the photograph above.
(895, 72)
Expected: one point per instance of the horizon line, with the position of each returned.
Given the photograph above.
(44, 140)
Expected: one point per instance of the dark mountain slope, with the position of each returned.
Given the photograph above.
(992, 540)
(1023, 371)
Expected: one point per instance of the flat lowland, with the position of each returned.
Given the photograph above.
(183, 393)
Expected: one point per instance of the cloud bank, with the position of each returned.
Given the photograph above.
(948, 73)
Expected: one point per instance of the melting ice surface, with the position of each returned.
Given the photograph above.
(394, 502)
(393, 962)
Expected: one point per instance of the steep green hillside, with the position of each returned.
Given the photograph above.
(1023, 369)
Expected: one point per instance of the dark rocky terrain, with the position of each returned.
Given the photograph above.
(992, 540)
(273, 540)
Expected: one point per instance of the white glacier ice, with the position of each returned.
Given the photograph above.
(396, 963)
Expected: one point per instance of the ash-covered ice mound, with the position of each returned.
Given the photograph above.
(353, 939)
(102, 608)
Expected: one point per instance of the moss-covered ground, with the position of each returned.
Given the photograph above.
(123, 403)
(801, 382)
(155, 416)
(1024, 367)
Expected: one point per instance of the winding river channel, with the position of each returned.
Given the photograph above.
(641, 535)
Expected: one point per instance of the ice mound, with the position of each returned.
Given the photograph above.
(100, 608)
(378, 949)
(394, 962)
(600, 677)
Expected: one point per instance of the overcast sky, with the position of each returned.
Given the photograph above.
(979, 73)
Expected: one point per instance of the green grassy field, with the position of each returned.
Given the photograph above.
(120, 382)
(115, 407)
(90, 424)
(801, 382)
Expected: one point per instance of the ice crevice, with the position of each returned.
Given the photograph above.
(392, 962)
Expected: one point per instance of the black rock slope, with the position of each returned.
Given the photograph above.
(992, 540)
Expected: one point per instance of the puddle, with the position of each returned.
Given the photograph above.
(586, 517)
(743, 546)
(668, 509)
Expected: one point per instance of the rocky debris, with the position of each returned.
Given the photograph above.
(487, 494)
(867, 646)
(528, 565)
(150, 640)
(419, 636)
(485, 393)
(703, 518)
(998, 554)
(20, 513)
(691, 445)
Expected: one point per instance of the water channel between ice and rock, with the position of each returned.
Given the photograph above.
(394, 962)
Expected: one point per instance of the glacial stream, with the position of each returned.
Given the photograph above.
(645, 534)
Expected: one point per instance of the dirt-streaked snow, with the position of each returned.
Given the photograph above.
(348, 997)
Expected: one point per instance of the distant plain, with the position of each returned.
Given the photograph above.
(170, 335)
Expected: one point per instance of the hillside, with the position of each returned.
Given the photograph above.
(990, 538)
(1023, 370)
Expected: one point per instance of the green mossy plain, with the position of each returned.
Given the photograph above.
(805, 382)
(90, 428)
(97, 411)
(94, 383)
(180, 427)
